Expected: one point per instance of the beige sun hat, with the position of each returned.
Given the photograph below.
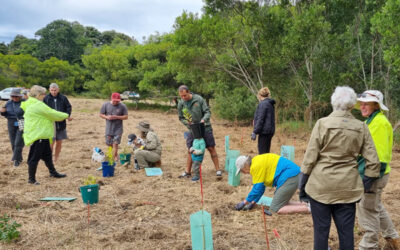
(144, 126)
(240, 163)
(371, 96)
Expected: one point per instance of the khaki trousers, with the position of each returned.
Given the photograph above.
(144, 157)
(373, 217)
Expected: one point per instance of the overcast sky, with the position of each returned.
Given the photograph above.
(135, 18)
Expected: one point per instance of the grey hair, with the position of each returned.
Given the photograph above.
(183, 87)
(344, 98)
(36, 91)
(53, 85)
(248, 161)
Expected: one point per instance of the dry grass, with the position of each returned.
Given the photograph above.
(139, 212)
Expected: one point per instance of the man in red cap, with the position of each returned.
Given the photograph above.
(114, 112)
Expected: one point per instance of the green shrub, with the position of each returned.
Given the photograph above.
(235, 105)
(8, 231)
(293, 127)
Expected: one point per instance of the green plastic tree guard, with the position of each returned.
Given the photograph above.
(287, 152)
(201, 231)
(231, 154)
(226, 143)
(233, 179)
(226, 151)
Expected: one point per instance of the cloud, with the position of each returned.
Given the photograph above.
(135, 18)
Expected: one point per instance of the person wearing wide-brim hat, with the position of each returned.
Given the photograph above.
(371, 213)
(15, 117)
(150, 153)
(271, 170)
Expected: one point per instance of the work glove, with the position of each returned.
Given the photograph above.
(303, 179)
(240, 205)
(267, 212)
(368, 181)
(248, 206)
(253, 136)
(303, 196)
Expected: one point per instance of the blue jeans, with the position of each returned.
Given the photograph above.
(17, 143)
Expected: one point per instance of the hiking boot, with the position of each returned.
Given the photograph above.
(16, 163)
(33, 182)
(185, 175)
(195, 178)
(57, 175)
(392, 244)
(219, 173)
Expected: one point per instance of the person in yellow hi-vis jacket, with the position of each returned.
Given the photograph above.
(271, 170)
(371, 213)
(39, 132)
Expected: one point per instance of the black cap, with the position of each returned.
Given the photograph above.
(131, 138)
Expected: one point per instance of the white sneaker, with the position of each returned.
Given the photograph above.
(219, 173)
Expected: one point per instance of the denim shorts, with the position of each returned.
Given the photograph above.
(113, 139)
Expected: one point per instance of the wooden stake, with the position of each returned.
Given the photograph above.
(265, 226)
(202, 208)
(88, 225)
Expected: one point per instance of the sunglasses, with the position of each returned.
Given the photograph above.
(363, 95)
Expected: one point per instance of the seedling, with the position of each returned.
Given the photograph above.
(187, 115)
(110, 156)
(126, 150)
(8, 231)
(90, 180)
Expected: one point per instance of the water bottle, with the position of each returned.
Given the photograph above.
(98, 150)
(136, 165)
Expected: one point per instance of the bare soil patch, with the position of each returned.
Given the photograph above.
(139, 212)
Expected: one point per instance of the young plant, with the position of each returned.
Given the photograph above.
(90, 180)
(187, 115)
(110, 156)
(8, 231)
(126, 150)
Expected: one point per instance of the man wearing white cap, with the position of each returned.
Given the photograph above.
(271, 170)
(371, 213)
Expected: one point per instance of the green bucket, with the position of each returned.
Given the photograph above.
(90, 193)
(123, 158)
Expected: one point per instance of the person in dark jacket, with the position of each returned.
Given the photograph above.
(264, 121)
(59, 102)
(15, 117)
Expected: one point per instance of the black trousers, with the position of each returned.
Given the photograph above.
(40, 150)
(264, 143)
(343, 215)
(17, 143)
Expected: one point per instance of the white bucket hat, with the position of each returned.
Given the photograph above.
(240, 162)
(371, 96)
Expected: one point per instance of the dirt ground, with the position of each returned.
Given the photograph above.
(139, 212)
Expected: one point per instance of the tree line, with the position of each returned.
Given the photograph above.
(300, 49)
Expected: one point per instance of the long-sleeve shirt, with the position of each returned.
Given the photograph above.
(331, 159)
(269, 170)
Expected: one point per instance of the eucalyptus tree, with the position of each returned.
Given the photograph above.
(304, 47)
(110, 68)
(386, 24)
(61, 39)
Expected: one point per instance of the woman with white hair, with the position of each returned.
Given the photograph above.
(371, 214)
(271, 170)
(329, 173)
(39, 132)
